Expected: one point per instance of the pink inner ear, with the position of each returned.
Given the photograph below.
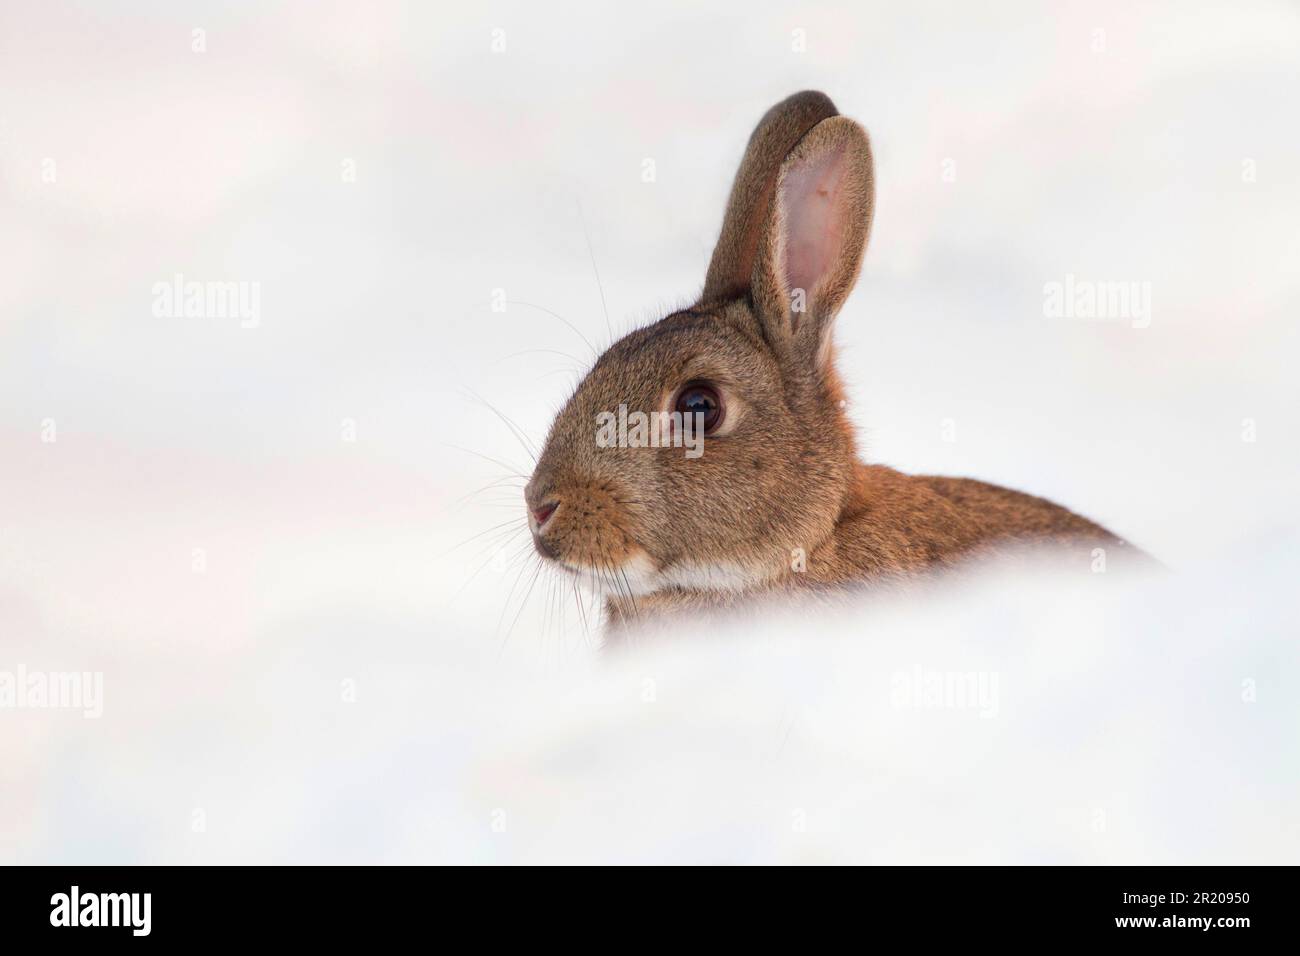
(814, 217)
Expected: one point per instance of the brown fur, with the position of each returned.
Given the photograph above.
(778, 503)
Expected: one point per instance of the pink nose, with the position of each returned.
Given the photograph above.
(545, 511)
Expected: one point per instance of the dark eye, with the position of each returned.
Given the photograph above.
(701, 398)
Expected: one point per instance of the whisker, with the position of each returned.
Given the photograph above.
(501, 464)
(514, 429)
(542, 308)
(518, 521)
(568, 355)
(510, 562)
(523, 603)
(561, 371)
(499, 544)
(582, 614)
(517, 483)
(505, 606)
(599, 285)
(630, 596)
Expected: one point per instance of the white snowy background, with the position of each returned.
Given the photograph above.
(349, 681)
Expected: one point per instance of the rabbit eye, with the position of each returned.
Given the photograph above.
(703, 399)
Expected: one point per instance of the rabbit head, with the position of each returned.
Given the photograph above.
(700, 452)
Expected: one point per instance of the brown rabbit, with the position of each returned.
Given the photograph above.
(776, 502)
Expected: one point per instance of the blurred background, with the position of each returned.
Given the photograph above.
(285, 539)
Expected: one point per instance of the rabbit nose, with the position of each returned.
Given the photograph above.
(542, 512)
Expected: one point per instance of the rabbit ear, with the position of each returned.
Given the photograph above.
(811, 247)
(776, 134)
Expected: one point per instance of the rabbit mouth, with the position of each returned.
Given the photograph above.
(639, 576)
(635, 576)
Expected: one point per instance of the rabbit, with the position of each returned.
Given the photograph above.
(776, 503)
